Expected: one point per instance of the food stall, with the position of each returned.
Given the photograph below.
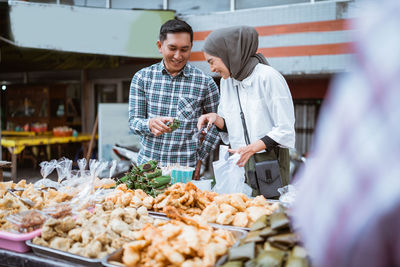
(141, 219)
(16, 144)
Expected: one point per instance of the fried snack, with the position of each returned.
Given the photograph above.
(94, 234)
(11, 205)
(124, 197)
(227, 209)
(237, 209)
(187, 198)
(175, 243)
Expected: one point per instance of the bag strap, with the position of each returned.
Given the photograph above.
(247, 139)
(246, 133)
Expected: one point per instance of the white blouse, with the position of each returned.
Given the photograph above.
(267, 106)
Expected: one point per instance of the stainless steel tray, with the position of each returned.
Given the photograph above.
(161, 214)
(62, 255)
(157, 213)
(117, 255)
(229, 227)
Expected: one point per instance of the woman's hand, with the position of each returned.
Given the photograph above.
(210, 119)
(247, 151)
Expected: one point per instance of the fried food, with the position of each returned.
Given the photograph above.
(94, 234)
(237, 209)
(175, 243)
(11, 205)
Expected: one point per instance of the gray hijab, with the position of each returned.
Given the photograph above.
(237, 47)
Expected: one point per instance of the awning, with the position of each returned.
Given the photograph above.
(131, 33)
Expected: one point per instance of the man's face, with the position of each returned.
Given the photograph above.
(176, 50)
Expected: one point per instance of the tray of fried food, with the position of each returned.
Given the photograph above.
(238, 210)
(10, 204)
(182, 241)
(187, 198)
(90, 236)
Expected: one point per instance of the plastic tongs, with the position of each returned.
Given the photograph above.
(27, 201)
(202, 132)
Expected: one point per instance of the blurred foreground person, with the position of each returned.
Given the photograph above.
(348, 205)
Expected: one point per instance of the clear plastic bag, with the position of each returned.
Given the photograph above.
(60, 210)
(288, 195)
(45, 169)
(63, 168)
(27, 221)
(229, 178)
(87, 196)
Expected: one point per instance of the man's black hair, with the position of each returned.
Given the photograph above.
(175, 26)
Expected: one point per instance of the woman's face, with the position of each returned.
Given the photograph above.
(217, 65)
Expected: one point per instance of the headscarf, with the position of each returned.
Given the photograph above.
(237, 47)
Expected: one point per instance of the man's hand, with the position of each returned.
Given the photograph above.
(196, 173)
(158, 125)
(247, 151)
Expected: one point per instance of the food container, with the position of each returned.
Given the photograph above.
(15, 241)
(183, 175)
(114, 259)
(62, 255)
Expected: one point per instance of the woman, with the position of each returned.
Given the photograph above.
(264, 98)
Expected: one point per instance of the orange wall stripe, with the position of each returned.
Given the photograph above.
(307, 50)
(295, 51)
(318, 26)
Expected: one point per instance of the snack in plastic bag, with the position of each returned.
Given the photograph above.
(63, 168)
(59, 211)
(46, 169)
(27, 221)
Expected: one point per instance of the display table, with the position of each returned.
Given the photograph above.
(10, 258)
(16, 144)
(23, 133)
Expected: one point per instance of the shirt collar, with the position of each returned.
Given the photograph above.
(245, 83)
(185, 71)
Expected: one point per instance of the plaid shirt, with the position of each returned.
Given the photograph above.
(155, 93)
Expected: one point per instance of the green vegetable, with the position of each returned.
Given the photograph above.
(160, 181)
(152, 174)
(174, 125)
(148, 166)
(147, 177)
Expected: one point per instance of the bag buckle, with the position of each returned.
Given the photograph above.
(268, 176)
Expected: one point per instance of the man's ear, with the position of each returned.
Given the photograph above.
(159, 44)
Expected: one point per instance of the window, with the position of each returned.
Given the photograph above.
(184, 7)
(306, 112)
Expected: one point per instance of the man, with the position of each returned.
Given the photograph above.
(172, 89)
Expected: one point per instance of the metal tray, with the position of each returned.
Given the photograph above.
(157, 213)
(62, 255)
(229, 227)
(117, 255)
